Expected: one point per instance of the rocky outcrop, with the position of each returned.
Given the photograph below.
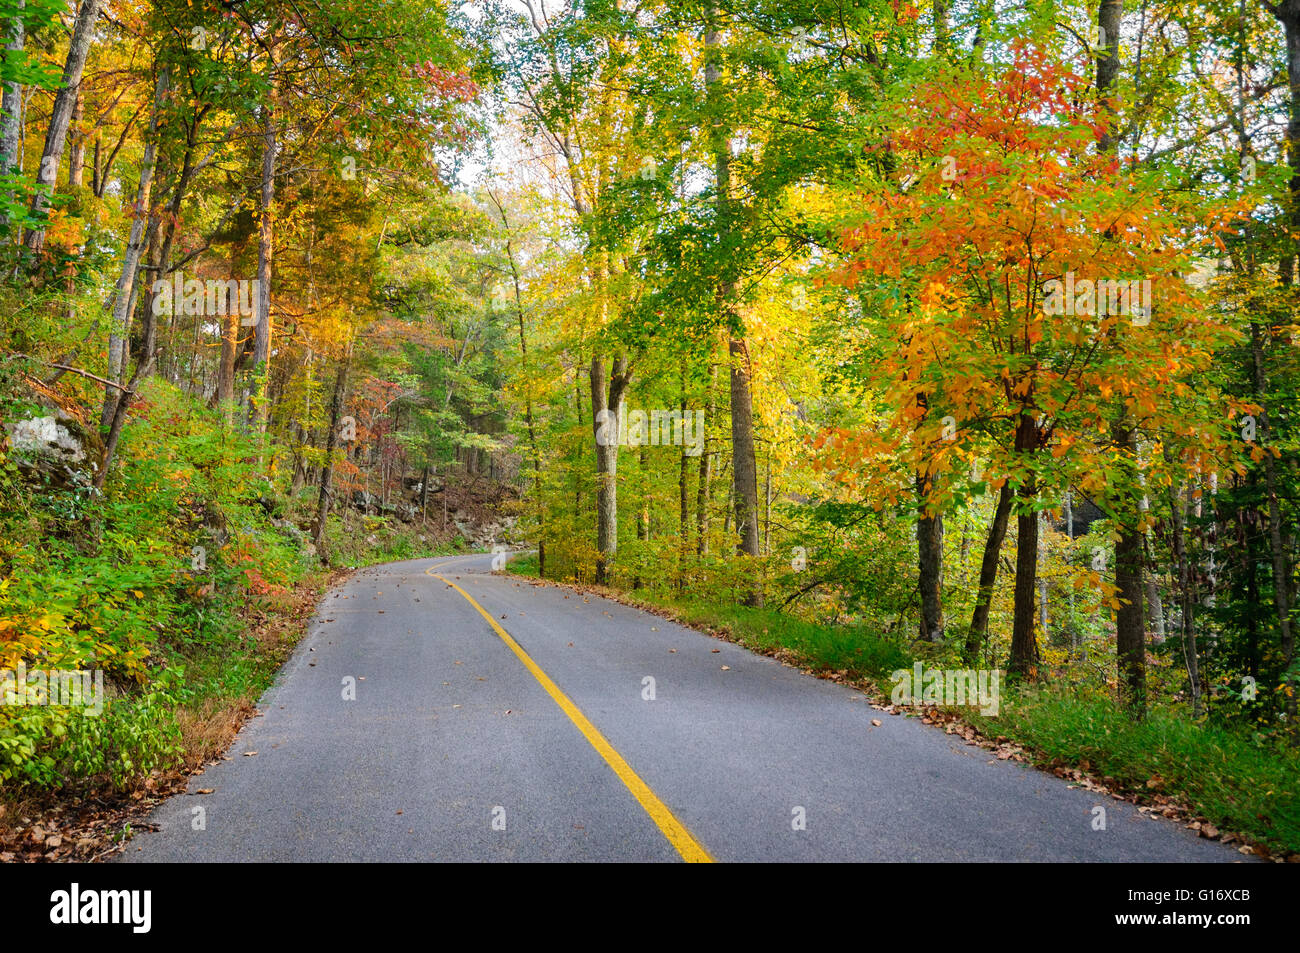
(56, 448)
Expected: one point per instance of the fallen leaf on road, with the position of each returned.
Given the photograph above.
(876, 722)
(726, 668)
(249, 754)
(204, 791)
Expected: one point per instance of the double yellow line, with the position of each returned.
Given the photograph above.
(672, 828)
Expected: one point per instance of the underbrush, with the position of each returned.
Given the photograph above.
(179, 590)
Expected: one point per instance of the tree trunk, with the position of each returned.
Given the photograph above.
(424, 495)
(168, 228)
(942, 25)
(744, 467)
(1130, 635)
(1043, 611)
(1188, 599)
(119, 325)
(12, 104)
(1288, 12)
(528, 399)
(979, 623)
(61, 115)
(327, 470)
(706, 469)
(929, 548)
(224, 396)
(148, 320)
(643, 511)
(929, 551)
(1109, 15)
(1024, 644)
(118, 421)
(258, 411)
(77, 143)
(683, 488)
(608, 398)
(1155, 608)
(1281, 567)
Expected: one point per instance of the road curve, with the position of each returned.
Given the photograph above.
(519, 727)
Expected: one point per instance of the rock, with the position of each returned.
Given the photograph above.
(270, 505)
(292, 531)
(56, 446)
(46, 435)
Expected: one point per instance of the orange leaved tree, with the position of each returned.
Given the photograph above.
(1025, 288)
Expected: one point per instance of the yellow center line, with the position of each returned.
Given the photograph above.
(672, 828)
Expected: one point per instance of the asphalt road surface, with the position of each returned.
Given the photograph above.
(411, 725)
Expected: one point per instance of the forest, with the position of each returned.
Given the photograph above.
(866, 333)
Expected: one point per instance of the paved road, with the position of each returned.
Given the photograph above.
(527, 736)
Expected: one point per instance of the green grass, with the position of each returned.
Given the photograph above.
(852, 650)
(1237, 782)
